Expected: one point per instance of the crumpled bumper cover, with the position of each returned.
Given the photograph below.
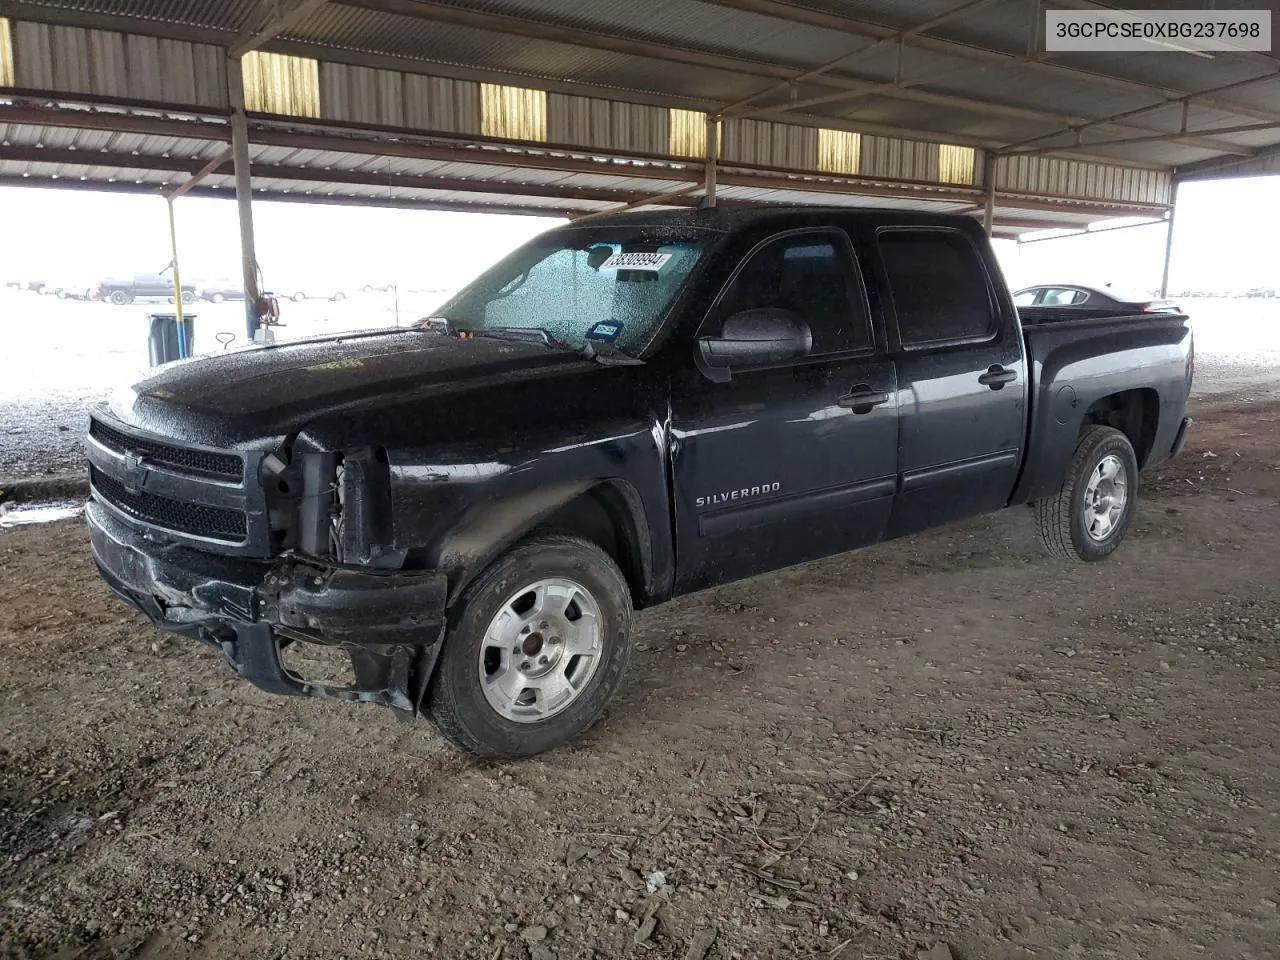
(390, 623)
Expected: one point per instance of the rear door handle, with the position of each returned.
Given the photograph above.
(997, 376)
(862, 399)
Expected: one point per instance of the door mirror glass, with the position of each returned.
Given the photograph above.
(757, 337)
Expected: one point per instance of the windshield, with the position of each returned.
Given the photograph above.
(607, 286)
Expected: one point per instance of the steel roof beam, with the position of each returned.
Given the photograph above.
(196, 178)
(544, 159)
(1245, 152)
(262, 171)
(897, 37)
(789, 12)
(1203, 168)
(574, 36)
(279, 195)
(537, 30)
(277, 22)
(1115, 118)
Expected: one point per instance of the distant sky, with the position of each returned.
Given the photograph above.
(1228, 235)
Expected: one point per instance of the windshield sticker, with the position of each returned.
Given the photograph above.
(605, 331)
(636, 261)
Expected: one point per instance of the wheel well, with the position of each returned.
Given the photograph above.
(1135, 413)
(603, 516)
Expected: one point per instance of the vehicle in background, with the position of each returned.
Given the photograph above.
(301, 293)
(71, 288)
(378, 288)
(143, 286)
(217, 291)
(626, 409)
(1097, 300)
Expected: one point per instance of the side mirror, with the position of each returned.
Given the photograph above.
(754, 338)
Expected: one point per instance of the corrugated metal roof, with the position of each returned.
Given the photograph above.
(215, 14)
(417, 70)
(894, 13)
(735, 32)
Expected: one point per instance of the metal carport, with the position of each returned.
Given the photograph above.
(556, 107)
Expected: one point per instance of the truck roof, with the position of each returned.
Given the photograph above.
(731, 216)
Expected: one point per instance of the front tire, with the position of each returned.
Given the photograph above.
(120, 298)
(535, 649)
(1090, 515)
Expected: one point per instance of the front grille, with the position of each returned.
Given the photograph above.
(227, 465)
(215, 523)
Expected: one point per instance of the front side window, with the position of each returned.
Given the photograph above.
(811, 275)
(1024, 299)
(939, 286)
(591, 285)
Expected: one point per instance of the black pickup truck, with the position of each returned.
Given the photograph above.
(624, 410)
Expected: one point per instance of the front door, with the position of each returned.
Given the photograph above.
(963, 383)
(797, 460)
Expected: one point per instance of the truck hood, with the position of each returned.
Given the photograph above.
(240, 397)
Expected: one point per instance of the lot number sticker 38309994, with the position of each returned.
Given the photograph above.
(636, 261)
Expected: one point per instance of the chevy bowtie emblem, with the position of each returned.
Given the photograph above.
(135, 473)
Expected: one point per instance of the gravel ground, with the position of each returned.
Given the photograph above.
(945, 744)
(98, 346)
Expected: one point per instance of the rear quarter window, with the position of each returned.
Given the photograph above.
(939, 287)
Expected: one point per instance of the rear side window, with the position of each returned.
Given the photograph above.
(939, 286)
(1064, 297)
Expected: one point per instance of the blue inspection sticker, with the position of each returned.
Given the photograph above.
(605, 331)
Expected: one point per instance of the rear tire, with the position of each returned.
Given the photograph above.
(487, 695)
(1091, 513)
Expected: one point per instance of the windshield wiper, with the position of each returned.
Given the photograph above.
(607, 354)
(600, 351)
(523, 334)
(435, 325)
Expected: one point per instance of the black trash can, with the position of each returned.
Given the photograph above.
(167, 341)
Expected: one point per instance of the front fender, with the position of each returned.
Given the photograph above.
(460, 512)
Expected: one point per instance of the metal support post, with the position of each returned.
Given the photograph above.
(989, 189)
(177, 275)
(244, 195)
(713, 157)
(1168, 241)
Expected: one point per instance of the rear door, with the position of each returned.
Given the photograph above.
(961, 376)
(797, 460)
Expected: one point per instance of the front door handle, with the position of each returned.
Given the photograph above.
(997, 376)
(862, 399)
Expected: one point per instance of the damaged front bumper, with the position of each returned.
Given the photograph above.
(390, 623)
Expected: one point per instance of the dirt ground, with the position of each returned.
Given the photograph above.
(944, 740)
